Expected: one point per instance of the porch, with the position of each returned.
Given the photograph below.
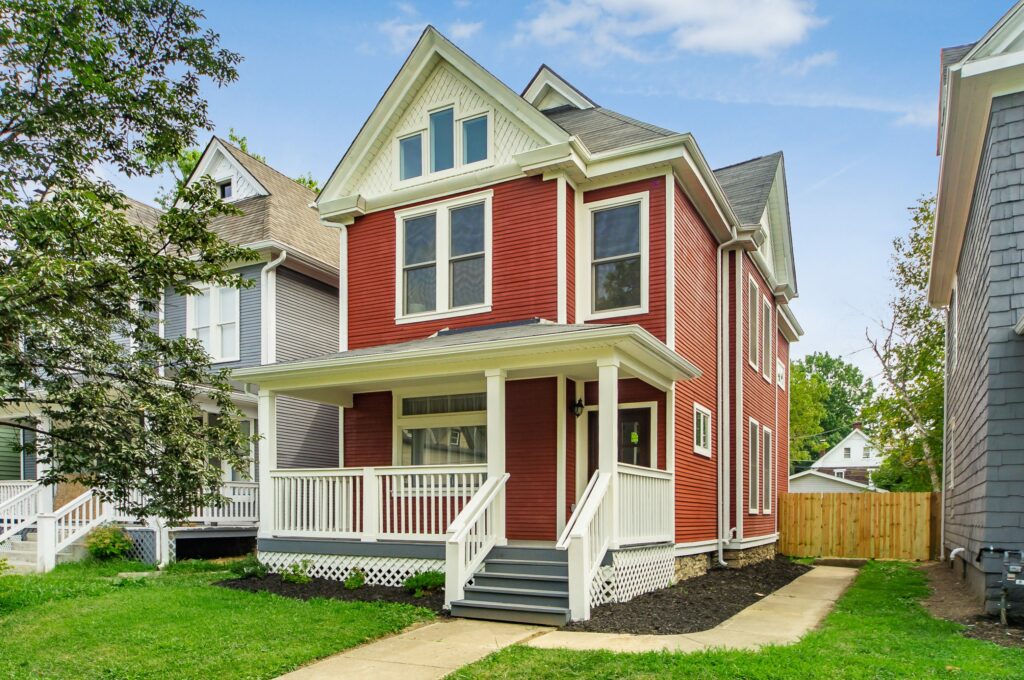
(476, 440)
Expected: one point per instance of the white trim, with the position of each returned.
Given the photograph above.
(584, 278)
(459, 116)
(546, 81)
(740, 406)
(214, 324)
(400, 422)
(780, 374)
(744, 543)
(582, 453)
(341, 436)
(442, 263)
(754, 485)
(561, 406)
(670, 260)
(767, 339)
(695, 547)
(561, 240)
(767, 469)
(702, 410)
(268, 309)
(753, 334)
(652, 406)
(343, 289)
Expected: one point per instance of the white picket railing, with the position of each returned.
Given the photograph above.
(20, 511)
(59, 529)
(644, 505)
(587, 537)
(244, 507)
(393, 503)
(11, 488)
(476, 530)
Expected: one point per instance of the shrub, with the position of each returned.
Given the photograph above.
(297, 572)
(109, 542)
(424, 582)
(248, 567)
(355, 580)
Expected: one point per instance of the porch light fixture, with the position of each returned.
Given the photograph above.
(577, 408)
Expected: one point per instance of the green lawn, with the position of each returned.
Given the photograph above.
(878, 630)
(78, 622)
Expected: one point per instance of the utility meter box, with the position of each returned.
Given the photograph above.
(1013, 569)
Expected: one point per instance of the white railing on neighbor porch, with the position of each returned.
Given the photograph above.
(645, 505)
(243, 508)
(11, 488)
(471, 536)
(20, 511)
(392, 503)
(587, 537)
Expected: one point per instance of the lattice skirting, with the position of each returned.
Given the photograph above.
(143, 544)
(632, 572)
(380, 571)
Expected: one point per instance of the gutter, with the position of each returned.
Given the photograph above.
(268, 309)
(723, 406)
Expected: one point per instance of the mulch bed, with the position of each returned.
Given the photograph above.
(334, 590)
(693, 605)
(951, 600)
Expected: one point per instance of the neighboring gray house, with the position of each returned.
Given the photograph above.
(977, 274)
(291, 310)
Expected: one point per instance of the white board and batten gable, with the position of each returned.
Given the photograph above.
(856, 450)
(222, 167)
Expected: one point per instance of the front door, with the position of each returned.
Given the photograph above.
(634, 438)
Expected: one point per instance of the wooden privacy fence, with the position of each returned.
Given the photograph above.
(901, 526)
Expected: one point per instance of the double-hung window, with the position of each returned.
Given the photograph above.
(753, 324)
(766, 341)
(444, 259)
(442, 430)
(767, 470)
(618, 247)
(754, 483)
(701, 430)
(446, 142)
(212, 315)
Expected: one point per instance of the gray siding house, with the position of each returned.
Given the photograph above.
(977, 274)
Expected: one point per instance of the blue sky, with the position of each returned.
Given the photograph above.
(846, 89)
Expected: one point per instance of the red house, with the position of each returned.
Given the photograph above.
(563, 360)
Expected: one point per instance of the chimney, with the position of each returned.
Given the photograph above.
(856, 425)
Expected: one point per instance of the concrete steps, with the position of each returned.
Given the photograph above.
(519, 585)
(21, 553)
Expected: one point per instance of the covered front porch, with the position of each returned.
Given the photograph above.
(535, 435)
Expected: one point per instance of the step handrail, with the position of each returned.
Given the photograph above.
(587, 541)
(72, 520)
(563, 540)
(28, 501)
(477, 529)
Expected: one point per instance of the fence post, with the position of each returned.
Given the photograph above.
(371, 496)
(46, 542)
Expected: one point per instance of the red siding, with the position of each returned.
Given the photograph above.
(654, 320)
(696, 325)
(758, 403)
(570, 254)
(632, 390)
(530, 458)
(368, 430)
(524, 284)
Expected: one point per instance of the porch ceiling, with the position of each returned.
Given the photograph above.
(523, 351)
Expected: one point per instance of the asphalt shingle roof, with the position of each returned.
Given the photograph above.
(602, 129)
(748, 184)
(141, 213)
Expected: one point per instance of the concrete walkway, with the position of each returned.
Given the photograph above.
(424, 653)
(781, 618)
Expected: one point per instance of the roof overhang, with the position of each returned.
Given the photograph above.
(332, 379)
(790, 327)
(838, 480)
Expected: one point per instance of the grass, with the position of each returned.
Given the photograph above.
(878, 630)
(82, 621)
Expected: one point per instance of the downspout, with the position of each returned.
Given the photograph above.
(268, 310)
(723, 406)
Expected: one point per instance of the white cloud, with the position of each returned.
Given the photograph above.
(401, 34)
(644, 30)
(804, 66)
(464, 30)
(407, 8)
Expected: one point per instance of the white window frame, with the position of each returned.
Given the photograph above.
(586, 241)
(780, 373)
(766, 339)
(215, 344)
(840, 473)
(699, 412)
(651, 406)
(754, 476)
(847, 452)
(422, 127)
(401, 422)
(767, 469)
(753, 323)
(442, 259)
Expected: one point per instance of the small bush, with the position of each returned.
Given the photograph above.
(297, 572)
(109, 542)
(248, 567)
(424, 582)
(355, 580)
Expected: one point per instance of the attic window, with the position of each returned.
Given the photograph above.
(474, 139)
(449, 142)
(411, 156)
(442, 140)
(224, 189)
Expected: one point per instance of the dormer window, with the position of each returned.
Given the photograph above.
(224, 189)
(442, 140)
(448, 144)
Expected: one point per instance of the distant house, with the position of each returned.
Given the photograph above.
(813, 481)
(976, 275)
(855, 458)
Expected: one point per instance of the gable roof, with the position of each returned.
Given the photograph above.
(855, 433)
(141, 213)
(283, 215)
(838, 480)
(546, 82)
(602, 129)
(747, 185)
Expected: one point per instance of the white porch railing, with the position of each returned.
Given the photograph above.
(587, 537)
(59, 529)
(244, 507)
(20, 511)
(392, 503)
(644, 505)
(11, 488)
(476, 530)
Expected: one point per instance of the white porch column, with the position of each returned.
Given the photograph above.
(607, 437)
(496, 438)
(268, 460)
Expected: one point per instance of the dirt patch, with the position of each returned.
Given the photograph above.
(334, 590)
(951, 600)
(693, 605)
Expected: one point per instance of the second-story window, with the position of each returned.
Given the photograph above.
(212, 316)
(618, 244)
(444, 258)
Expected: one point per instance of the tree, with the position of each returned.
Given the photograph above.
(907, 416)
(848, 391)
(807, 395)
(88, 84)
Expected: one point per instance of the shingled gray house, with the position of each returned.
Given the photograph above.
(977, 274)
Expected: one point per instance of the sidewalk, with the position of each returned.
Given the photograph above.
(781, 618)
(425, 653)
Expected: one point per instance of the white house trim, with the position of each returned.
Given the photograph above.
(670, 260)
(561, 248)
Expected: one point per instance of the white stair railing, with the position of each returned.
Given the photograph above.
(477, 529)
(587, 537)
(19, 512)
(11, 488)
(59, 529)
